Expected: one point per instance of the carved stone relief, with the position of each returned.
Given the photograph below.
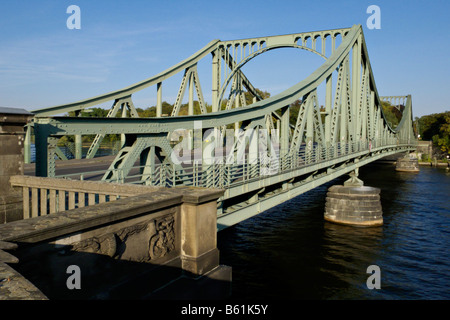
(141, 242)
(106, 245)
(164, 240)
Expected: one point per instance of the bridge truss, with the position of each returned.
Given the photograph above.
(255, 152)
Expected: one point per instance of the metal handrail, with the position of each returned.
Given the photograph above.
(225, 174)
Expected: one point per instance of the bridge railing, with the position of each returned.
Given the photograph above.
(220, 174)
(42, 196)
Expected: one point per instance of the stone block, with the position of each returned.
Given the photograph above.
(407, 165)
(199, 237)
(201, 264)
(11, 207)
(11, 165)
(11, 145)
(17, 288)
(357, 206)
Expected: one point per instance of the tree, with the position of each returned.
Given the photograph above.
(443, 138)
(249, 96)
(392, 113)
(436, 127)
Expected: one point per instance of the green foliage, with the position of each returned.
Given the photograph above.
(92, 113)
(392, 113)
(443, 143)
(435, 127)
(425, 157)
(249, 96)
(149, 113)
(293, 111)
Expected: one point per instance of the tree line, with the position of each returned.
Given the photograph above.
(436, 128)
(433, 127)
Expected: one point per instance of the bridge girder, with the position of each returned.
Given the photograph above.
(352, 124)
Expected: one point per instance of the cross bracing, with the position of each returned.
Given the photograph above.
(266, 158)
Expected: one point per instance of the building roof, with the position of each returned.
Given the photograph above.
(13, 111)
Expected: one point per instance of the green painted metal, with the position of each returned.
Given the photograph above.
(27, 144)
(269, 158)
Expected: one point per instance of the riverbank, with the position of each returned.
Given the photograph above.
(434, 164)
(421, 163)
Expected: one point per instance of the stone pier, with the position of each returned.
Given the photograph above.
(12, 133)
(354, 204)
(407, 164)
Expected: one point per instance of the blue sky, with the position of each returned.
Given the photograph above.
(43, 63)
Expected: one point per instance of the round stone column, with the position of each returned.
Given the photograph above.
(354, 205)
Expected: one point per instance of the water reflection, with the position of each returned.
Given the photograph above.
(348, 252)
(290, 252)
(306, 257)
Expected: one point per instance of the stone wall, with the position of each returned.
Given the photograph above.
(12, 122)
(130, 248)
(407, 164)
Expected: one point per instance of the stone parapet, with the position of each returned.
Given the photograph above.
(128, 248)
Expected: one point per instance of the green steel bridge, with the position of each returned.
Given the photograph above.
(253, 151)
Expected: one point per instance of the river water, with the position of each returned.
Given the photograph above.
(290, 252)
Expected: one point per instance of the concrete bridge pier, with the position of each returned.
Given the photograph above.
(354, 204)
